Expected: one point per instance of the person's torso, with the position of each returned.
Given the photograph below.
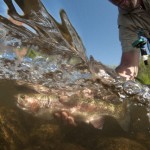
(137, 18)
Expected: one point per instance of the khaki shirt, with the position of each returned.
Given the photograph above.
(130, 23)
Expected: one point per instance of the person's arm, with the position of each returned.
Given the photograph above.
(128, 67)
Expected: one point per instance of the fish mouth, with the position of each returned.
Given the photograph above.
(21, 102)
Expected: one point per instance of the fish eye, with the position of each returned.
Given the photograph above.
(22, 96)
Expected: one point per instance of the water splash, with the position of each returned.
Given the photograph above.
(56, 56)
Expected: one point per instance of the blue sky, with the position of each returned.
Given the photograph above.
(96, 23)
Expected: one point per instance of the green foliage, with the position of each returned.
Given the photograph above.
(144, 72)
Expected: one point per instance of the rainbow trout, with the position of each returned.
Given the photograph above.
(81, 104)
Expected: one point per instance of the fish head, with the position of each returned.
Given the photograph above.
(33, 103)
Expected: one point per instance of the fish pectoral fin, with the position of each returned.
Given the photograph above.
(97, 122)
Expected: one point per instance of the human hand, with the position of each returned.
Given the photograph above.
(65, 117)
(128, 72)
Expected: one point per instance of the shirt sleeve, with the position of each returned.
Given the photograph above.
(127, 37)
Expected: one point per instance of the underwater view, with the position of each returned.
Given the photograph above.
(54, 97)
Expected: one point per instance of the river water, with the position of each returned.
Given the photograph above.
(54, 56)
(20, 130)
